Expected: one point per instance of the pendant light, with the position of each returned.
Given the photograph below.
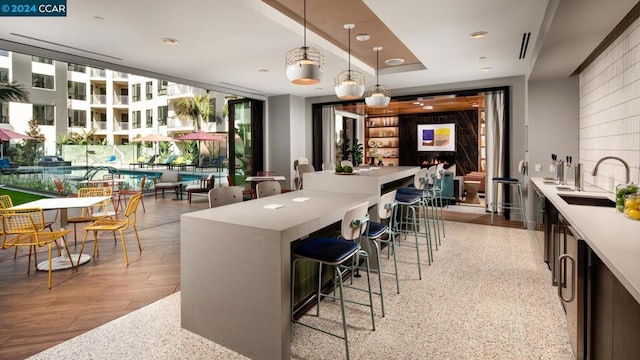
(304, 64)
(378, 96)
(349, 83)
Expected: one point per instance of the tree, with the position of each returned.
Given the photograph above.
(13, 91)
(197, 108)
(29, 151)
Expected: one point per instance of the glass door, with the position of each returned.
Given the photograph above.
(246, 148)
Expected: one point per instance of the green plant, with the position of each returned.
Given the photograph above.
(357, 153)
(197, 108)
(13, 91)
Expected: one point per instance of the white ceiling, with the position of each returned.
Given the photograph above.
(224, 44)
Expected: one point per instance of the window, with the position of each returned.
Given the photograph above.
(77, 118)
(77, 68)
(44, 114)
(136, 120)
(41, 59)
(149, 90)
(135, 89)
(4, 53)
(149, 118)
(163, 113)
(162, 87)
(124, 117)
(4, 112)
(77, 90)
(4, 75)
(42, 81)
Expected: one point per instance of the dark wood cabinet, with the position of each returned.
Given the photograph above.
(614, 316)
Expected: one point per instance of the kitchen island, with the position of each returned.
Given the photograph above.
(235, 264)
(366, 180)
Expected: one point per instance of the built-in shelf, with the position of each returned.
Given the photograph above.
(381, 140)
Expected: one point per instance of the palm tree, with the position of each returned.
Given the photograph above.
(197, 108)
(13, 91)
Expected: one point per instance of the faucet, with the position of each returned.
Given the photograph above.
(626, 166)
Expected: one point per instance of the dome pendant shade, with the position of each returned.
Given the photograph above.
(304, 66)
(349, 85)
(378, 97)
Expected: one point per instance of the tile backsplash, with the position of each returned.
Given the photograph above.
(610, 111)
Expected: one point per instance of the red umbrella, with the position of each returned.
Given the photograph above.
(6, 135)
(201, 136)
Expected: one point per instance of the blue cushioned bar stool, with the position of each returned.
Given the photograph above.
(339, 253)
(497, 205)
(376, 232)
(409, 209)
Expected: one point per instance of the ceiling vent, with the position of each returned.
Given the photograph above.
(524, 45)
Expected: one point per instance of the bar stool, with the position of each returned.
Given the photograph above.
(336, 252)
(376, 230)
(507, 182)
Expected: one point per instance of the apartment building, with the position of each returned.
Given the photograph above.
(70, 98)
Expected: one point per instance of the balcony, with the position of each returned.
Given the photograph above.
(98, 99)
(179, 124)
(101, 73)
(120, 75)
(120, 100)
(120, 126)
(99, 126)
(178, 91)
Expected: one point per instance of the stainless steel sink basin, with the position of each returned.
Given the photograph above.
(588, 200)
(565, 188)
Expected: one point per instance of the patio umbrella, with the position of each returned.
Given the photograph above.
(154, 138)
(6, 135)
(201, 136)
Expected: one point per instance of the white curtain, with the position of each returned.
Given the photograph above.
(495, 126)
(329, 134)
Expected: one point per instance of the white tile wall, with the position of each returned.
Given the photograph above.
(610, 111)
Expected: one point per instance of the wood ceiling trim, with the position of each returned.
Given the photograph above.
(327, 17)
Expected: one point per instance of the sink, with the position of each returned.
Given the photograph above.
(564, 188)
(588, 200)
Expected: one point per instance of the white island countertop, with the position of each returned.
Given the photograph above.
(612, 236)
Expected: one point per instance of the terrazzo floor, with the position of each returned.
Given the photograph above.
(486, 296)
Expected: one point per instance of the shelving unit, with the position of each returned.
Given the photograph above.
(381, 140)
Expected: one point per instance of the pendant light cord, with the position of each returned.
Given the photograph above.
(377, 65)
(304, 11)
(349, 42)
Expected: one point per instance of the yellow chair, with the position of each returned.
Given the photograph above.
(25, 227)
(122, 224)
(6, 202)
(94, 213)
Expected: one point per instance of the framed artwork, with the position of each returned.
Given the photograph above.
(436, 137)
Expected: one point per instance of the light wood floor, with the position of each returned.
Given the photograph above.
(34, 318)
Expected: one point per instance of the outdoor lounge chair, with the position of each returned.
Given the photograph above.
(166, 163)
(168, 180)
(203, 185)
(151, 161)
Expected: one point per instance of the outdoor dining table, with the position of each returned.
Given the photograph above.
(63, 204)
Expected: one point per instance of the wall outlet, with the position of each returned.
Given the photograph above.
(552, 168)
(538, 167)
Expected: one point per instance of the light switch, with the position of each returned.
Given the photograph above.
(552, 168)
(538, 167)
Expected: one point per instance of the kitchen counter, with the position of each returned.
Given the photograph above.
(614, 238)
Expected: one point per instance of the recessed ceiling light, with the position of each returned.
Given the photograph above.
(486, 69)
(263, 70)
(417, 103)
(170, 41)
(482, 57)
(478, 34)
(318, 88)
(363, 37)
(428, 107)
(475, 105)
(394, 62)
(99, 18)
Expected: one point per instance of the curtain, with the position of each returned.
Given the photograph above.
(495, 140)
(329, 134)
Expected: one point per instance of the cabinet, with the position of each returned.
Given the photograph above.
(613, 317)
(381, 141)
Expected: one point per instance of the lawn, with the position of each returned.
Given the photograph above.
(18, 197)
